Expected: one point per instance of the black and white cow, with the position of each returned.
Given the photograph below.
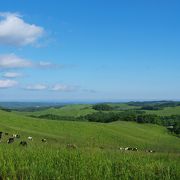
(10, 140)
(44, 140)
(23, 143)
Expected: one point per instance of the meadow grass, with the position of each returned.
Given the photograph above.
(97, 155)
(167, 111)
(111, 135)
(68, 110)
(85, 109)
(87, 164)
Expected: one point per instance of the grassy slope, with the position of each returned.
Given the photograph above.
(86, 134)
(69, 110)
(53, 161)
(81, 110)
(123, 106)
(168, 111)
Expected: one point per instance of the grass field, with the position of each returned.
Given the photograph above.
(68, 110)
(97, 155)
(54, 163)
(168, 111)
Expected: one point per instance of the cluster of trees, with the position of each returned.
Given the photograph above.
(148, 107)
(102, 117)
(57, 117)
(176, 128)
(106, 117)
(102, 107)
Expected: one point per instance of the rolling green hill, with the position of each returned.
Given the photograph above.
(68, 110)
(85, 134)
(167, 111)
(82, 110)
(97, 155)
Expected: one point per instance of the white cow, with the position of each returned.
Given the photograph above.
(14, 135)
(30, 138)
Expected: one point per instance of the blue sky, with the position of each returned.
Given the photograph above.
(98, 50)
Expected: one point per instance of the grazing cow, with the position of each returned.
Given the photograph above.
(1, 133)
(16, 136)
(131, 149)
(23, 143)
(44, 140)
(135, 149)
(10, 140)
(71, 146)
(121, 149)
(150, 151)
(128, 149)
(30, 138)
(6, 134)
(102, 147)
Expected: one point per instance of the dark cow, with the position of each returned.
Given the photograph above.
(18, 136)
(102, 147)
(1, 133)
(44, 140)
(10, 140)
(135, 149)
(71, 146)
(150, 151)
(131, 149)
(6, 134)
(23, 143)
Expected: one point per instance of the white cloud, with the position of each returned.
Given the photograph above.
(15, 31)
(7, 83)
(89, 90)
(56, 87)
(36, 87)
(13, 61)
(43, 64)
(12, 75)
(63, 88)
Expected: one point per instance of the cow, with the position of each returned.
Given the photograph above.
(16, 136)
(71, 146)
(23, 143)
(128, 149)
(135, 149)
(102, 147)
(131, 149)
(1, 133)
(150, 151)
(30, 138)
(6, 134)
(44, 140)
(10, 140)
